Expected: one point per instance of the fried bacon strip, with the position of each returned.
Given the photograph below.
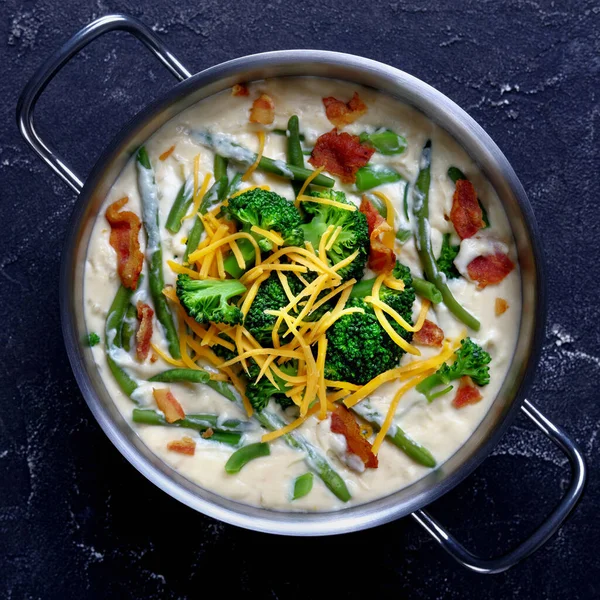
(343, 113)
(467, 393)
(144, 332)
(491, 269)
(186, 445)
(341, 154)
(169, 405)
(124, 231)
(343, 422)
(381, 258)
(500, 306)
(466, 214)
(263, 110)
(166, 153)
(240, 89)
(429, 335)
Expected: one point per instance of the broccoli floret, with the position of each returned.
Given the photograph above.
(445, 262)
(353, 236)
(260, 393)
(471, 360)
(93, 339)
(207, 300)
(270, 296)
(225, 353)
(267, 210)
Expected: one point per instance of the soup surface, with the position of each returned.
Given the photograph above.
(339, 448)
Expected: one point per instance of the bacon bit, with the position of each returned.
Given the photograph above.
(487, 270)
(429, 335)
(207, 433)
(500, 306)
(124, 231)
(343, 422)
(381, 258)
(169, 405)
(186, 445)
(153, 358)
(343, 113)
(144, 332)
(263, 110)
(467, 393)
(341, 154)
(166, 153)
(466, 214)
(240, 89)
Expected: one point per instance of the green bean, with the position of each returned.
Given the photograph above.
(113, 340)
(182, 203)
(385, 141)
(405, 201)
(219, 167)
(302, 485)
(395, 434)
(225, 146)
(128, 327)
(371, 176)
(456, 174)
(156, 281)
(190, 375)
(199, 423)
(223, 388)
(379, 205)
(427, 290)
(234, 185)
(284, 132)
(294, 149)
(421, 212)
(403, 235)
(244, 455)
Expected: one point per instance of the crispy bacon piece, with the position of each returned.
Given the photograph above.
(343, 422)
(124, 231)
(381, 258)
(144, 332)
(467, 393)
(169, 405)
(167, 153)
(500, 306)
(263, 110)
(240, 89)
(341, 154)
(487, 270)
(343, 113)
(186, 445)
(207, 433)
(466, 215)
(429, 335)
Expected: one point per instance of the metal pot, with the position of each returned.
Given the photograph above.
(406, 88)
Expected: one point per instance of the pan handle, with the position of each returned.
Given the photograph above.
(541, 535)
(44, 75)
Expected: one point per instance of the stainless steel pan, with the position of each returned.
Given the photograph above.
(193, 88)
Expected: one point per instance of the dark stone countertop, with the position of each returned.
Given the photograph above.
(77, 521)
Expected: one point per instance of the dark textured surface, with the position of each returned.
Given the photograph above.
(77, 521)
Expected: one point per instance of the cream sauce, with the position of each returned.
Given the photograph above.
(438, 426)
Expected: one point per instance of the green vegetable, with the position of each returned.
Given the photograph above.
(112, 336)
(206, 300)
(260, 393)
(180, 206)
(471, 360)
(385, 141)
(294, 149)
(149, 194)
(220, 167)
(234, 184)
(427, 290)
(244, 455)
(353, 236)
(284, 132)
(405, 200)
(199, 423)
(223, 388)
(371, 176)
(191, 375)
(266, 210)
(225, 146)
(403, 235)
(358, 347)
(129, 325)
(456, 174)
(445, 262)
(421, 212)
(302, 485)
(93, 339)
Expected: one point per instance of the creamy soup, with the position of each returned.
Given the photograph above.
(178, 155)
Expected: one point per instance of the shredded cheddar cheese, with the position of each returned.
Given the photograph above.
(261, 149)
(306, 183)
(349, 207)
